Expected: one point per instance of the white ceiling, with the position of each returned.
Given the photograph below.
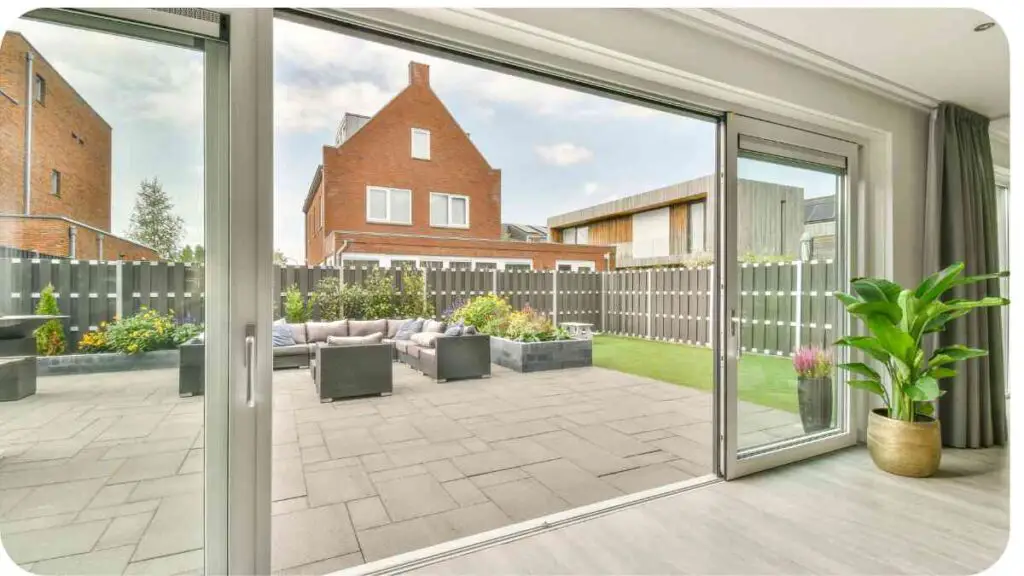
(924, 53)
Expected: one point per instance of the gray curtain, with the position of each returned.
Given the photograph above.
(960, 226)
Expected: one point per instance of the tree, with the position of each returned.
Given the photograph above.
(187, 255)
(279, 258)
(199, 254)
(50, 339)
(153, 221)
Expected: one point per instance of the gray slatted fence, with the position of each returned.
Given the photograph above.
(781, 306)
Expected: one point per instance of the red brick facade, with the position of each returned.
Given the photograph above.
(68, 137)
(380, 154)
(51, 236)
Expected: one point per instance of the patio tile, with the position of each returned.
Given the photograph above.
(612, 441)
(367, 513)
(429, 453)
(647, 423)
(49, 543)
(176, 527)
(55, 499)
(169, 486)
(693, 468)
(645, 478)
(137, 448)
(524, 499)
(464, 492)
(583, 453)
(66, 471)
(110, 561)
(151, 466)
(119, 510)
(399, 537)
(124, 530)
(326, 566)
(484, 462)
(475, 445)
(393, 473)
(441, 429)
(653, 435)
(290, 505)
(685, 448)
(496, 432)
(138, 426)
(285, 451)
(443, 470)
(655, 457)
(40, 523)
(338, 485)
(193, 462)
(376, 462)
(498, 477)
(526, 450)
(287, 480)
(314, 454)
(311, 535)
(414, 496)
(311, 440)
(571, 483)
(182, 563)
(349, 443)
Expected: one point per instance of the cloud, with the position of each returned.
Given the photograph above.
(311, 108)
(563, 154)
(590, 188)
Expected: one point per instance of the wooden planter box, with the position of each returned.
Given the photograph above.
(105, 362)
(537, 356)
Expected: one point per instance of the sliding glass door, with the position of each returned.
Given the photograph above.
(787, 246)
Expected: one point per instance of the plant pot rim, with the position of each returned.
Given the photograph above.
(919, 420)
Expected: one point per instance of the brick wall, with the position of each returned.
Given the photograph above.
(52, 236)
(67, 136)
(380, 154)
(543, 254)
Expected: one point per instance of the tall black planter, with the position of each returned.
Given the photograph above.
(815, 395)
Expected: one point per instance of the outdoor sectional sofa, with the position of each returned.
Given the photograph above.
(309, 334)
(448, 357)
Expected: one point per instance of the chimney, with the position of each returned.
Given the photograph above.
(419, 74)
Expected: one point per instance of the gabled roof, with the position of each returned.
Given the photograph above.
(524, 230)
(317, 176)
(820, 209)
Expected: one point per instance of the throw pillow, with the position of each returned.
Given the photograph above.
(282, 335)
(355, 340)
(433, 326)
(469, 331)
(454, 329)
(409, 328)
(425, 339)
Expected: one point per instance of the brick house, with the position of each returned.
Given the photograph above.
(408, 186)
(69, 190)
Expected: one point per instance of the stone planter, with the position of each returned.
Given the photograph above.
(815, 398)
(105, 362)
(537, 356)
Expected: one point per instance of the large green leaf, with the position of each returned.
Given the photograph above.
(940, 372)
(972, 304)
(908, 310)
(934, 285)
(924, 389)
(876, 289)
(954, 353)
(896, 342)
(925, 408)
(847, 299)
(870, 385)
(938, 323)
(861, 369)
(981, 277)
(868, 344)
(865, 309)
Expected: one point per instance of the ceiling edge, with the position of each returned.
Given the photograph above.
(725, 26)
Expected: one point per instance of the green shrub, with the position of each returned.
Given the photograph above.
(412, 301)
(329, 299)
(50, 340)
(529, 326)
(295, 310)
(486, 313)
(94, 341)
(148, 330)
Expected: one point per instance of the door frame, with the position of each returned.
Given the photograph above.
(803, 146)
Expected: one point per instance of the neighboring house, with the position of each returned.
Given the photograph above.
(525, 232)
(674, 225)
(408, 186)
(819, 228)
(67, 213)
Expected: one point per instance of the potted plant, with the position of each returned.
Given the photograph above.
(814, 388)
(903, 437)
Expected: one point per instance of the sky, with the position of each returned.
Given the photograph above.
(558, 149)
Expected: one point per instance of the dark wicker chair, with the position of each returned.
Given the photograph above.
(351, 371)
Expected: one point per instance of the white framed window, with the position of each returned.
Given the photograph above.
(575, 265)
(569, 236)
(651, 233)
(583, 235)
(55, 183)
(695, 223)
(39, 91)
(449, 210)
(388, 205)
(420, 144)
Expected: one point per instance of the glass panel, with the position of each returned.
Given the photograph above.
(102, 463)
(401, 206)
(378, 204)
(787, 385)
(460, 265)
(421, 144)
(583, 235)
(569, 236)
(517, 267)
(696, 225)
(459, 214)
(438, 210)
(485, 266)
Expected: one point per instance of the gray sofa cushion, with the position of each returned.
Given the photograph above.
(298, 333)
(409, 328)
(393, 326)
(293, 350)
(413, 350)
(374, 338)
(402, 345)
(319, 331)
(367, 327)
(433, 326)
(424, 339)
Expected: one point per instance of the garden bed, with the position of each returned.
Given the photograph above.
(538, 356)
(105, 362)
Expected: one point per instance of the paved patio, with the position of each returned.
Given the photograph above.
(104, 472)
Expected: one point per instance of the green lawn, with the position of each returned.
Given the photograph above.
(762, 379)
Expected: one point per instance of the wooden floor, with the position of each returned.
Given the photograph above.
(833, 515)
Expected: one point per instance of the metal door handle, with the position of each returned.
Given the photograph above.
(250, 364)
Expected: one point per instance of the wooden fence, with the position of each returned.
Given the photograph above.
(781, 306)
